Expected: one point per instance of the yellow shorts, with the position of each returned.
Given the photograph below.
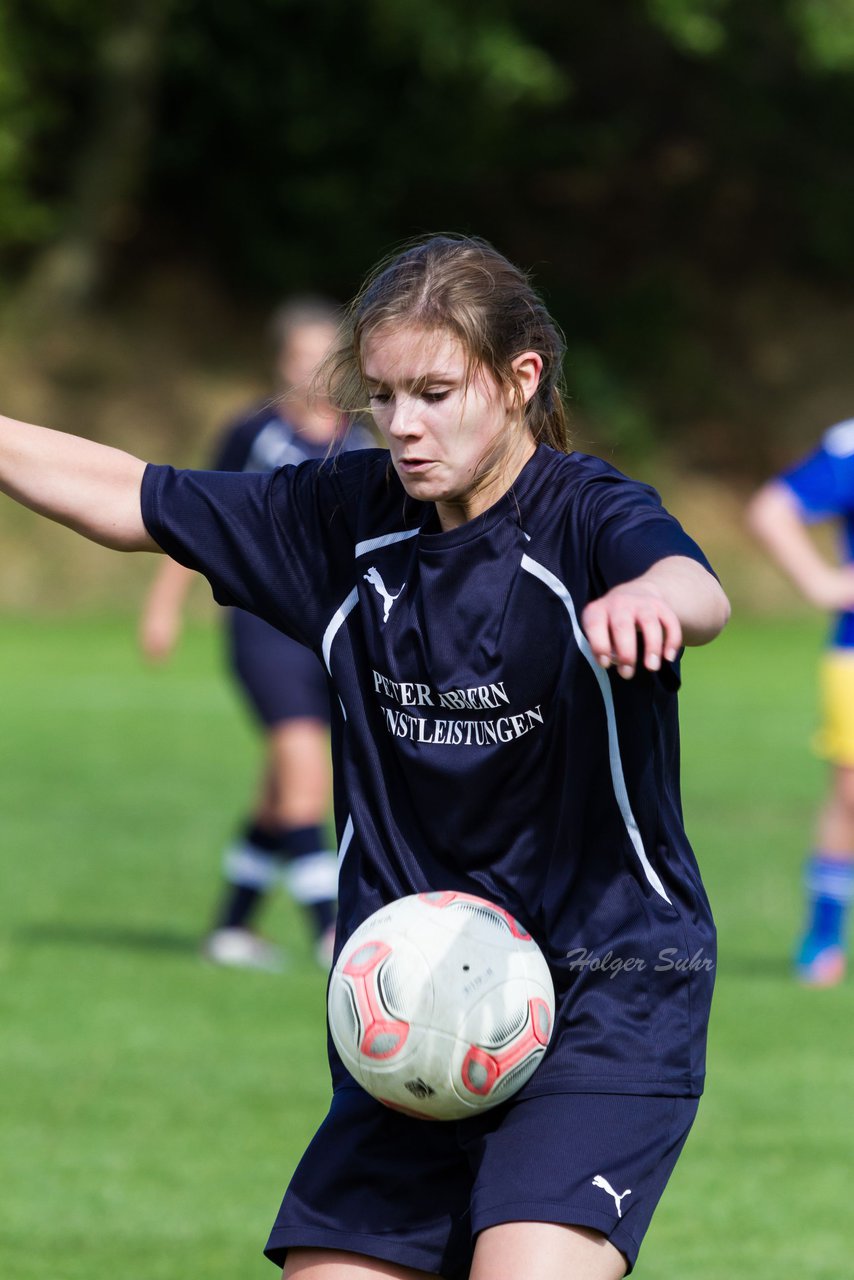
(834, 740)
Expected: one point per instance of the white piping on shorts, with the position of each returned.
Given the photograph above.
(384, 540)
(617, 777)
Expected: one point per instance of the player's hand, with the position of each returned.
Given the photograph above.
(159, 631)
(614, 622)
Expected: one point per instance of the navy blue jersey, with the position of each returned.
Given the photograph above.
(280, 679)
(264, 439)
(477, 744)
(823, 484)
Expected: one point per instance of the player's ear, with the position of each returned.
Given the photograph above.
(528, 368)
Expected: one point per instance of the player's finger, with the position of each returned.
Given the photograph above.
(672, 639)
(624, 641)
(652, 630)
(594, 622)
(672, 636)
(662, 637)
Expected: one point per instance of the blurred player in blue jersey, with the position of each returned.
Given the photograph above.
(821, 487)
(502, 621)
(284, 683)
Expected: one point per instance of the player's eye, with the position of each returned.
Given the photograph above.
(433, 397)
(379, 397)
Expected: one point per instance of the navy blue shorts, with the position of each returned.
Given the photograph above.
(417, 1192)
(283, 680)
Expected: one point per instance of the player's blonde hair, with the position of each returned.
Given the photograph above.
(463, 286)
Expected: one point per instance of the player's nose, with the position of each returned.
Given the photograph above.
(404, 421)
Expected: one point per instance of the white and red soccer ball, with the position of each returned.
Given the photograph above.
(441, 1005)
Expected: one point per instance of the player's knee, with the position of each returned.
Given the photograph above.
(843, 792)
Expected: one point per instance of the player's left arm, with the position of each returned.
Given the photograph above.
(674, 603)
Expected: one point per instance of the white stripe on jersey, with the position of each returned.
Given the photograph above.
(385, 540)
(338, 619)
(345, 840)
(554, 584)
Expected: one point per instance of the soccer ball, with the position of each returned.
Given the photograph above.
(441, 1005)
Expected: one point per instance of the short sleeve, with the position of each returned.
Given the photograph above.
(277, 544)
(823, 482)
(630, 531)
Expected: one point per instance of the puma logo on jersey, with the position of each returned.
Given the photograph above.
(599, 1181)
(373, 576)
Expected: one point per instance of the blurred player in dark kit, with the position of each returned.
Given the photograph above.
(285, 685)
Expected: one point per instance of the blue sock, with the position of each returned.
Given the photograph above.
(830, 889)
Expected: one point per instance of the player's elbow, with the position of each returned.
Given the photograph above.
(721, 610)
(711, 617)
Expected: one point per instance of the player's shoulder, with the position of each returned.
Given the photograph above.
(838, 440)
(251, 419)
(579, 479)
(237, 438)
(579, 468)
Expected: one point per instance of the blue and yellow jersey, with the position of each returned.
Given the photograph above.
(823, 484)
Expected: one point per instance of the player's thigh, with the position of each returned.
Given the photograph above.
(299, 770)
(332, 1264)
(508, 1251)
(300, 749)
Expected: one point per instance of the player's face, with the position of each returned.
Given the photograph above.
(456, 439)
(302, 352)
(301, 355)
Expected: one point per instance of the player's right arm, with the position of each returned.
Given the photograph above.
(774, 516)
(91, 488)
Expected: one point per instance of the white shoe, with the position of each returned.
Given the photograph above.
(324, 948)
(242, 949)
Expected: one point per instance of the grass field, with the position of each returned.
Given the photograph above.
(152, 1107)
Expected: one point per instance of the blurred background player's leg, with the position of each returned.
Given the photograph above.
(829, 873)
(821, 958)
(284, 839)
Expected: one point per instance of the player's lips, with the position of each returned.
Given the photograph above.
(412, 466)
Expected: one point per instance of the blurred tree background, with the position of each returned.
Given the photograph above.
(677, 174)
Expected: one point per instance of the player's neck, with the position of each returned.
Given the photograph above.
(496, 480)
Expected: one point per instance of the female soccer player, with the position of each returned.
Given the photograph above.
(817, 488)
(284, 682)
(502, 622)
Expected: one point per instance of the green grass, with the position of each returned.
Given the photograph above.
(152, 1108)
